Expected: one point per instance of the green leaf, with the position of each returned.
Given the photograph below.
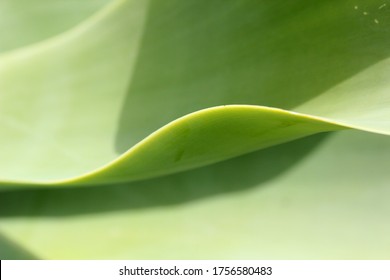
(26, 22)
(11, 251)
(144, 89)
(315, 198)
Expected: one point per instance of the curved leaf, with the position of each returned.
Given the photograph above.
(149, 88)
(51, 119)
(314, 198)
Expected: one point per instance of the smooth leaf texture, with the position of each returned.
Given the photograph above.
(26, 22)
(144, 89)
(59, 123)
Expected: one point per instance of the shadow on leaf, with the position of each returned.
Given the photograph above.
(235, 175)
(11, 251)
(199, 54)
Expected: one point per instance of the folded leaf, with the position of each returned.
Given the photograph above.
(146, 89)
(68, 113)
(321, 197)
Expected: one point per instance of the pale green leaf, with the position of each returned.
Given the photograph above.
(142, 89)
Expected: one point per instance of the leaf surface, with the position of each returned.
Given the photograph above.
(134, 98)
(27, 22)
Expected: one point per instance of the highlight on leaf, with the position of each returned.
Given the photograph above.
(195, 119)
